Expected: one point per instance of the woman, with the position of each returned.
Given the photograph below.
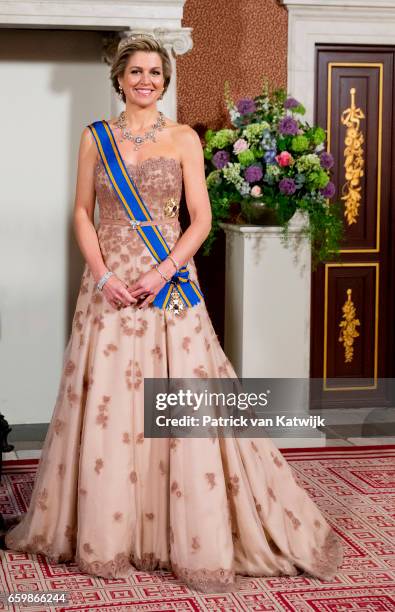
(105, 496)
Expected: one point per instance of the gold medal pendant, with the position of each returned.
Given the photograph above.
(176, 304)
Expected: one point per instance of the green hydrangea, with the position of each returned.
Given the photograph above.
(300, 109)
(318, 135)
(299, 143)
(308, 163)
(272, 170)
(258, 152)
(209, 135)
(222, 139)
(253, 132)
(246, 157)
(318, 179)
(214, 178)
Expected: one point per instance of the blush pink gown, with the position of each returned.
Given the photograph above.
(111, 500)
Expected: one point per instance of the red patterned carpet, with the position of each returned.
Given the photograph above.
(353, 486)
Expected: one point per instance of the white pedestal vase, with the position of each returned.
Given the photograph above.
(267, 303)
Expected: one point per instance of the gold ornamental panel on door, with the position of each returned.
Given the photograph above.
(354, 137)
(351, 303)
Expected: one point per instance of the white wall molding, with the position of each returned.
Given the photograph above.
(369, 22)
(125, 17)
(344, 4)
(93, 14)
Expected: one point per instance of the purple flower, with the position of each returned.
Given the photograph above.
(287, 186)
(326, 160)
(253, 173)
(246, 106)
(329, 190)
(288, 126)
(220, 159)
(291, 103)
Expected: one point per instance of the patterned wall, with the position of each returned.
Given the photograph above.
(235, 40)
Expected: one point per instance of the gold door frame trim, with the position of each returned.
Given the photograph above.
(376, 325)
(379, 65)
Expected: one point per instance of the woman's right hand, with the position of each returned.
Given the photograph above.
(116, 293)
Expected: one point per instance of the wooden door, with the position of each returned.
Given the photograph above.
(352, 308)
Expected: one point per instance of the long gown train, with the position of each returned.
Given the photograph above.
(110, 499)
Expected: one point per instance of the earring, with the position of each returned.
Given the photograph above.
(120, 93)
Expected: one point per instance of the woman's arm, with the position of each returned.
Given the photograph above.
(198, 204)
(83, 224)
(197, 199)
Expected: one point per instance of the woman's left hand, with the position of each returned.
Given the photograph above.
(147, 287)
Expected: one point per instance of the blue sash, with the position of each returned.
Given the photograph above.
(127, 192)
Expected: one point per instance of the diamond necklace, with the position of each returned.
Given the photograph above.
(140, 140)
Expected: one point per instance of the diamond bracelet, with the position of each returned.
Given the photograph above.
(174, 262)
(103, 280)
(161, 273)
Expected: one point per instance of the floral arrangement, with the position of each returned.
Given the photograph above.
(272, 157)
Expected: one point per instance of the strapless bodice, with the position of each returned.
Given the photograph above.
(158, 180)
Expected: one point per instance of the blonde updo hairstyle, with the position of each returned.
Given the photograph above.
(130, 45)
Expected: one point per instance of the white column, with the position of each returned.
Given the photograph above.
(177, 42)
(267, 305)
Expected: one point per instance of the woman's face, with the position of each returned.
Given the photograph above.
(143, 79)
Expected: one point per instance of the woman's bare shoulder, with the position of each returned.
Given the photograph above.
(87, 139)
(185, 135)
(88, 147)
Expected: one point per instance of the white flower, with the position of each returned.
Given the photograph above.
(231, 173)
(234, 115)
(244, 188)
